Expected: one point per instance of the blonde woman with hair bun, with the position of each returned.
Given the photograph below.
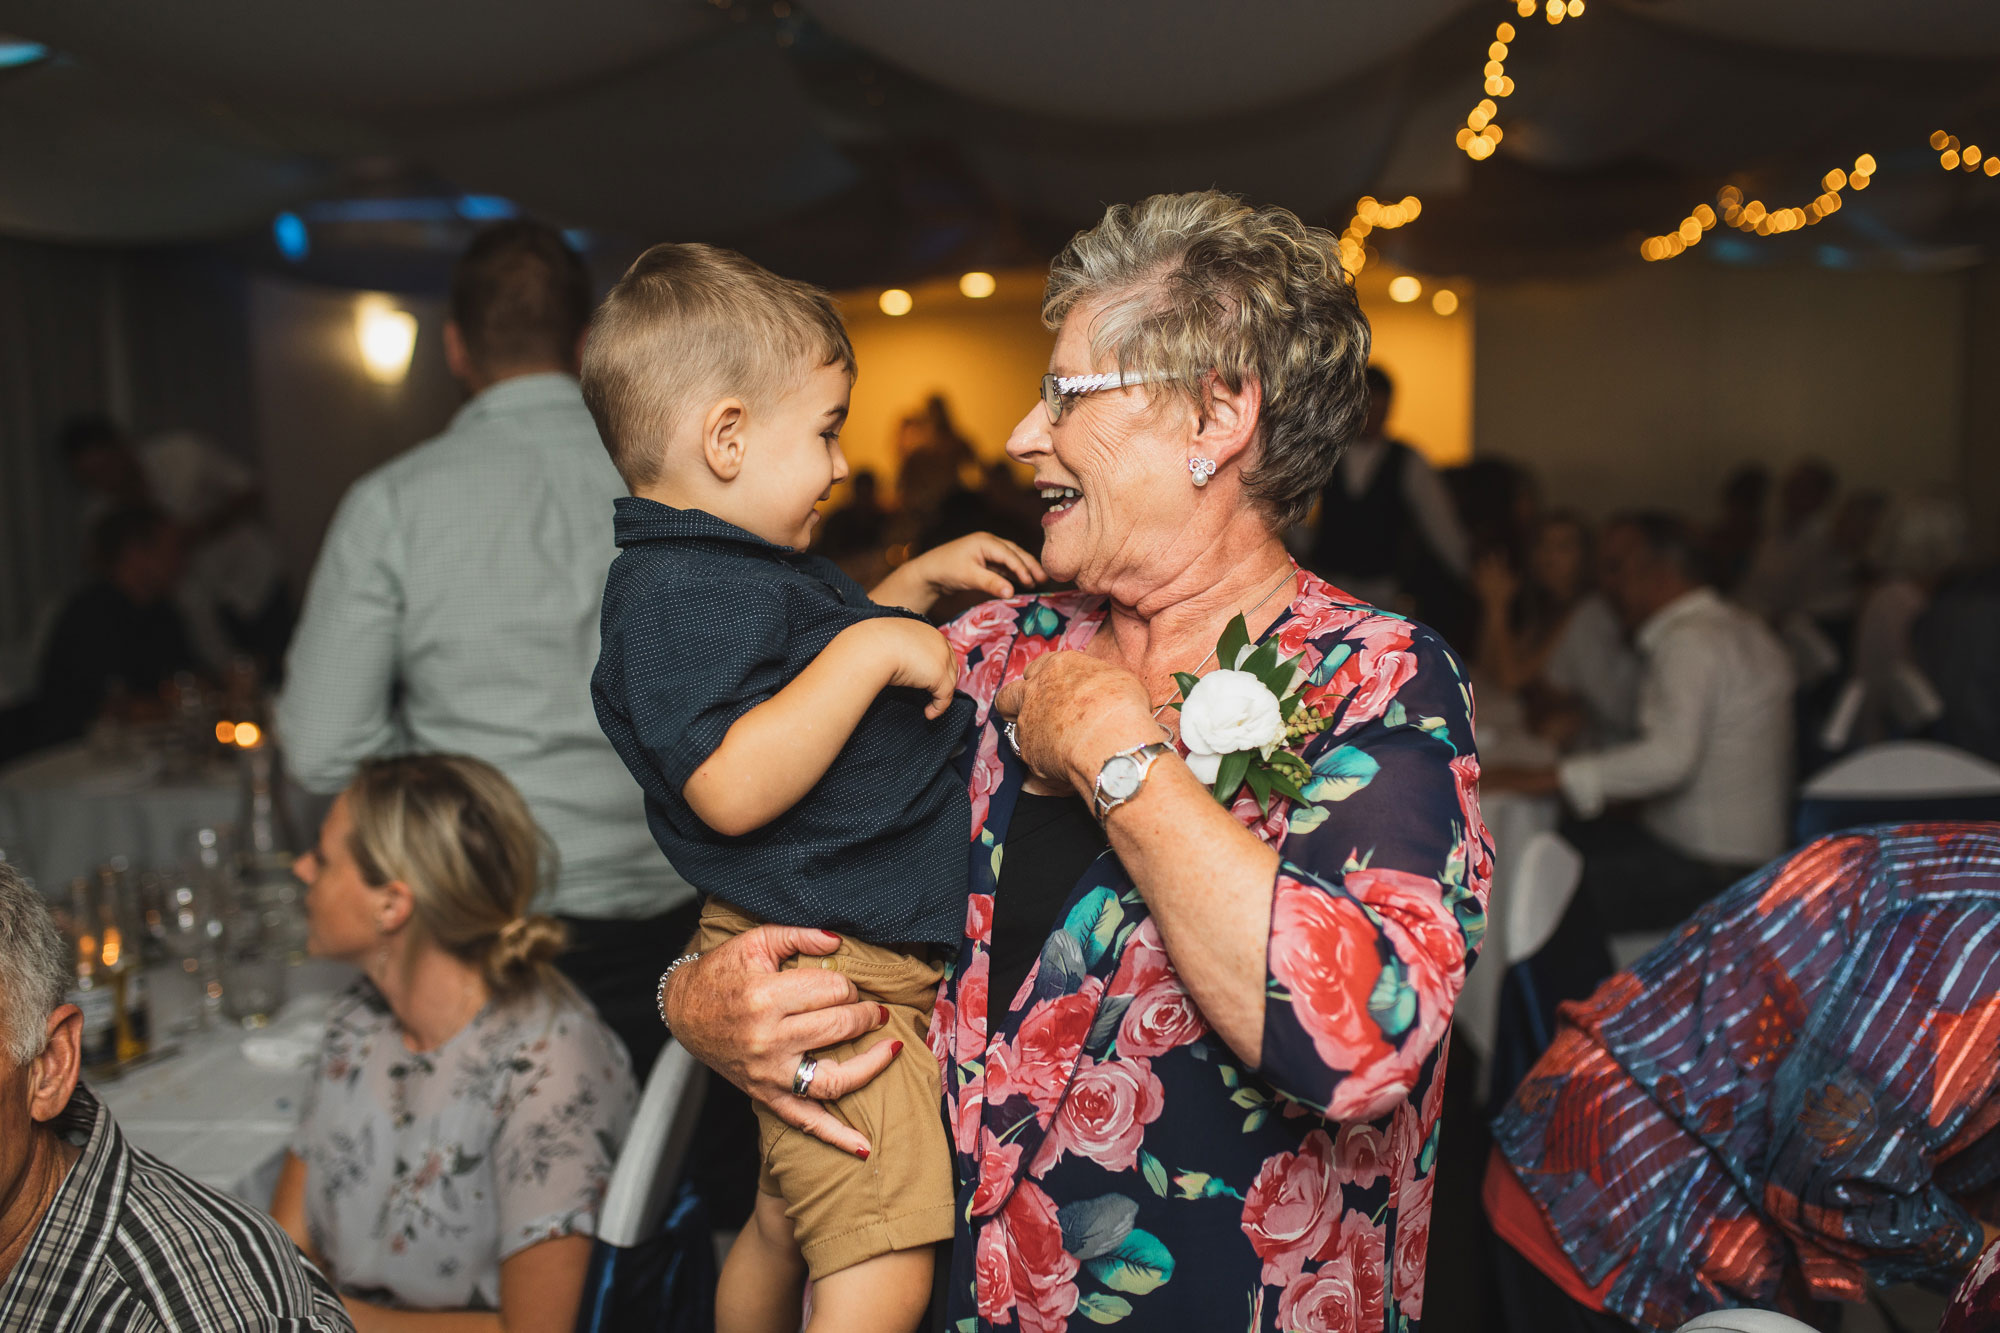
(458, 1136)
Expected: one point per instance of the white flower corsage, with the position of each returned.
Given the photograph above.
(1239, 720)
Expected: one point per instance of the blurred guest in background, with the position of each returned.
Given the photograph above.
(122, 636)
(857, 532)
(1796, 567)
(455, 605)
(1956, 643)
(1388, 531)
(95, 1234)
(1711, 761)
(468, 1104)
(234, 594)
(1732, 542)
(1923, 541)
(1791, 1100)
(1556, 639)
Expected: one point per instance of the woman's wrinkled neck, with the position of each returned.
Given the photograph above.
(1176, 605)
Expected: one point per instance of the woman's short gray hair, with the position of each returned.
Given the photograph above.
(1198, 283)
(34, 967)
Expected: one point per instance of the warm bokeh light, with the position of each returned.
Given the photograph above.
(1940, 139)
(978, 285)
(225, 733)
(896, 301)
(1405, 289)
(1505, 32)
(1445, 301)
(1864, 165)
(386, 336)
(1992, 167)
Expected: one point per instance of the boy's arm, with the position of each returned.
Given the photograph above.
(972, 564)
(774, 754)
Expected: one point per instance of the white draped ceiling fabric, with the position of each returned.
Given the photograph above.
(890, 132)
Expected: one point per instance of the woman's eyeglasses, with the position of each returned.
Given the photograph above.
(1059, 391)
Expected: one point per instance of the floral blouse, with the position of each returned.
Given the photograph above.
(425, 1170)
(1115, 1158)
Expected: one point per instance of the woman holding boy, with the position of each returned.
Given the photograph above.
(1195, 1082)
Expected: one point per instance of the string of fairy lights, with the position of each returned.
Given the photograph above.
(1755, 216)
(1955, 156)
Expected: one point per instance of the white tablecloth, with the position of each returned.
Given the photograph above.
(65, 811)
(209, 1111)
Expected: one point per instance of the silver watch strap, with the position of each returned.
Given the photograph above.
(1149, 754)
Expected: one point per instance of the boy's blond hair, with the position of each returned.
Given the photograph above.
(689, 322)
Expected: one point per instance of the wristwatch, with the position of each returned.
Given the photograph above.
(1124, 776)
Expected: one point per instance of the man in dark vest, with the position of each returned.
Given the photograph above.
(1388, 532)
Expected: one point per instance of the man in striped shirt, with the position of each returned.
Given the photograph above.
(95, 1234)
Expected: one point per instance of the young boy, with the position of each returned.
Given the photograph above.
(794, 738)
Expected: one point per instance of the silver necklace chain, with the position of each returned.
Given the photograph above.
(1289, 574)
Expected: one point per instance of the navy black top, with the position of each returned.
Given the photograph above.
(704, 621)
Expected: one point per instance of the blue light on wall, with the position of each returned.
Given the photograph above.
(485, 207)
(578, 238)
(289, 231)
(16, 53)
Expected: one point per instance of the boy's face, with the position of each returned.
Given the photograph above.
(793, 458)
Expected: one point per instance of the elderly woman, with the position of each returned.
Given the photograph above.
(457, 1139)
(1205, 1090)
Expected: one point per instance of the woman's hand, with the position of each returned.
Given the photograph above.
(740, 1015)
(970, 564)
(1074, 712)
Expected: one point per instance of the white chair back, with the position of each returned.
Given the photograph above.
(1546, 880)
(649, 1167)
(1744, 1321)
(1904, 769)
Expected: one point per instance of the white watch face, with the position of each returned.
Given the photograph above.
(1120, 777)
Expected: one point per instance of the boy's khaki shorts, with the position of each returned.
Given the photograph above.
(844, 1210)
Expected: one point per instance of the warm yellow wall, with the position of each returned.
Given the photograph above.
(1430, 357)
(988, 356)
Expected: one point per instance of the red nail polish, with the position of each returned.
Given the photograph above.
(885, 1013)
(864, 1154)
(895, 1048)
(830, 935)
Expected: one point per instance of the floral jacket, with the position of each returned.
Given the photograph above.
(1117, 1160)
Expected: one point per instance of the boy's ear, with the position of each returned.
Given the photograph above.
(722, 438)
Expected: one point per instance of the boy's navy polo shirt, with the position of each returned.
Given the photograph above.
(704, 621)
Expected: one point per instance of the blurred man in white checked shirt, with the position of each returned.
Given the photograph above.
(454, 609)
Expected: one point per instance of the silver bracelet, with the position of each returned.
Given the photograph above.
(660, 995)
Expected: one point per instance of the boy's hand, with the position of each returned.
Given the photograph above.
(915, 655)
(979, 563)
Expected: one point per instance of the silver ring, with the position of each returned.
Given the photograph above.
(1013, 730)
(802, 1080)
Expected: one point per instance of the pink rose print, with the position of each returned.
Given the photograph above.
(1162, 1017)
(1105, 1115)
(993, 1276)
(1374, 673)
(1345, 1294)
(990, 626)
(1414, 905)
(979, 918)
(1360, 1155)
(938, 1036)
(998, 1165)
(972, 1007)
(1319, 609)
(1413, 1238)
(1144, 964)
(1323, 951)
(987, 774)
(1290, 1210)
(1042, 1273)
(972, 1105)
(1379, 1086)
(1478, 856)
(1046, 1048)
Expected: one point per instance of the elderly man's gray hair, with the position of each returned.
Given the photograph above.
(34, 966)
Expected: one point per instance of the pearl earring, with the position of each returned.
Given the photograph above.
(1200, 470)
